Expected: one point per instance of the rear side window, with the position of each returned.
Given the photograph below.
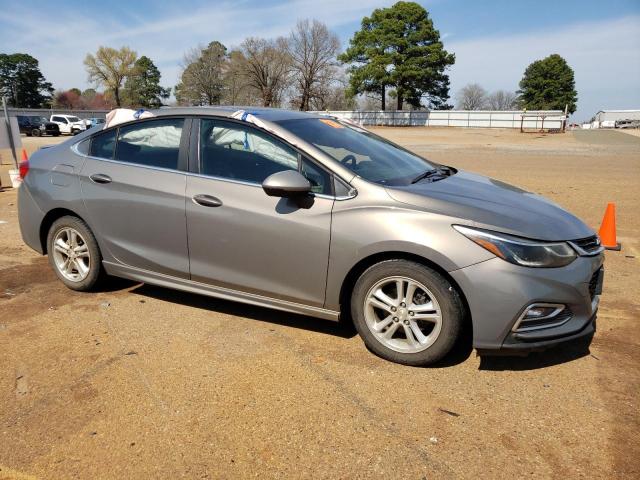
(154, 143)
(103, 145)
(240, 152)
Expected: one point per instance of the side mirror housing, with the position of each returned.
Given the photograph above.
(288, 183)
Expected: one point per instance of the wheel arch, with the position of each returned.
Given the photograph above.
(50, 217)
(358, 269)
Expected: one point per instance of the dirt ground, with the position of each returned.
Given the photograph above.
(141, 382)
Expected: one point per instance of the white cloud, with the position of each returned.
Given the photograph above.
(60, 38)
(605, 56)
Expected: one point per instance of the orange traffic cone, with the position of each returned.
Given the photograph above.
(608, 229)
(24, 155)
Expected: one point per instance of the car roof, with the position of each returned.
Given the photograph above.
(270, 114)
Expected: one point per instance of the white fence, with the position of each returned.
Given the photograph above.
(531, 120)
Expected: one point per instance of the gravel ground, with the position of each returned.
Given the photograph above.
(140, 382)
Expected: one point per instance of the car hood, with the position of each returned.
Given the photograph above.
(494, 205)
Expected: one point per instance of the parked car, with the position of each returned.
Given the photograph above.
(32, 125)
(69, 124)
(93, 121)
(316, 216)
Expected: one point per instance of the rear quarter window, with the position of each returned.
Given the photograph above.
(103, 145)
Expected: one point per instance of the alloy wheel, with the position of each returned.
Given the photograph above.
(71, 254)
(403, 314)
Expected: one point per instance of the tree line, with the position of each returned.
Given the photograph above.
(396, 58)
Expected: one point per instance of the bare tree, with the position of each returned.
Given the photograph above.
(313, 50)
(109, 67)
(267, 67)
(202, 79)
(471, 97)
(502, 100)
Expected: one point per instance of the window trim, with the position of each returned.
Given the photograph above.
(191, 152)
(195, 167)
(181, 163)
(183, 152)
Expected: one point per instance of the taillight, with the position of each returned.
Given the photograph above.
(24, 169)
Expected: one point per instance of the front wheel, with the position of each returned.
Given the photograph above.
(406, 312)
(74, 253)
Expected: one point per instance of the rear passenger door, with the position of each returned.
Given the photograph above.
(133, 185)
(243, 239)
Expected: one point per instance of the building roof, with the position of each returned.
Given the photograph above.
(619, 111)
(271, 114)
(614, 115)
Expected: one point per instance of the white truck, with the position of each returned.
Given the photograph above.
(68, 124)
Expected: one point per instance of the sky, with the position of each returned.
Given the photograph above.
(493, 40)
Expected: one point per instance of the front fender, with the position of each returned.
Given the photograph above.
(361, 228)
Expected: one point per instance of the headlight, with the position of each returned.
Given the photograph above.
(520, 251)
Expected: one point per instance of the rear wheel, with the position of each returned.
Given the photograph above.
(406, 312)
(36, 132)
(74, 253)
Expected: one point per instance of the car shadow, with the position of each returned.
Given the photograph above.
(537, 360)
(261, 314)
(114, 284)
(460, 353)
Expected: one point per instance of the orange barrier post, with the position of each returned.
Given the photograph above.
(24, 155)
(608, 229)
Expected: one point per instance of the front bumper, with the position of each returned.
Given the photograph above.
(498, 292)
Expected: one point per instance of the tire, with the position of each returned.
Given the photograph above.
(75, 277)
(57, 134)
(36, 132)
(435, 309)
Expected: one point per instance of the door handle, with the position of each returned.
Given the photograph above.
(207, 200)
(100, 178)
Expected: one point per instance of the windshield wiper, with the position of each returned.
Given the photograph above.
(442, 171)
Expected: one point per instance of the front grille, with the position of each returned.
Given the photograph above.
(589, 244)
(535, 323)
(593, 283)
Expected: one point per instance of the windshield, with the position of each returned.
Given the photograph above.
(35, 119)
(364, 153)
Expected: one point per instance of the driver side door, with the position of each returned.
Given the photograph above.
(241, 238)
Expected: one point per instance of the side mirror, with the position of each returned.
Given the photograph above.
(288, 183)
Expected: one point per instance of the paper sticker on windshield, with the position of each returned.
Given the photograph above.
(331, 123)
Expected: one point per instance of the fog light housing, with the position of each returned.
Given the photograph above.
(542, 315)
(539, 312)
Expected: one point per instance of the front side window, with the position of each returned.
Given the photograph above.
(364, 153)
(240, 152)
(153, 143)
(319, 178)
(103, 145)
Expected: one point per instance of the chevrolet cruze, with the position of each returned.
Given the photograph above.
(317, 216)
